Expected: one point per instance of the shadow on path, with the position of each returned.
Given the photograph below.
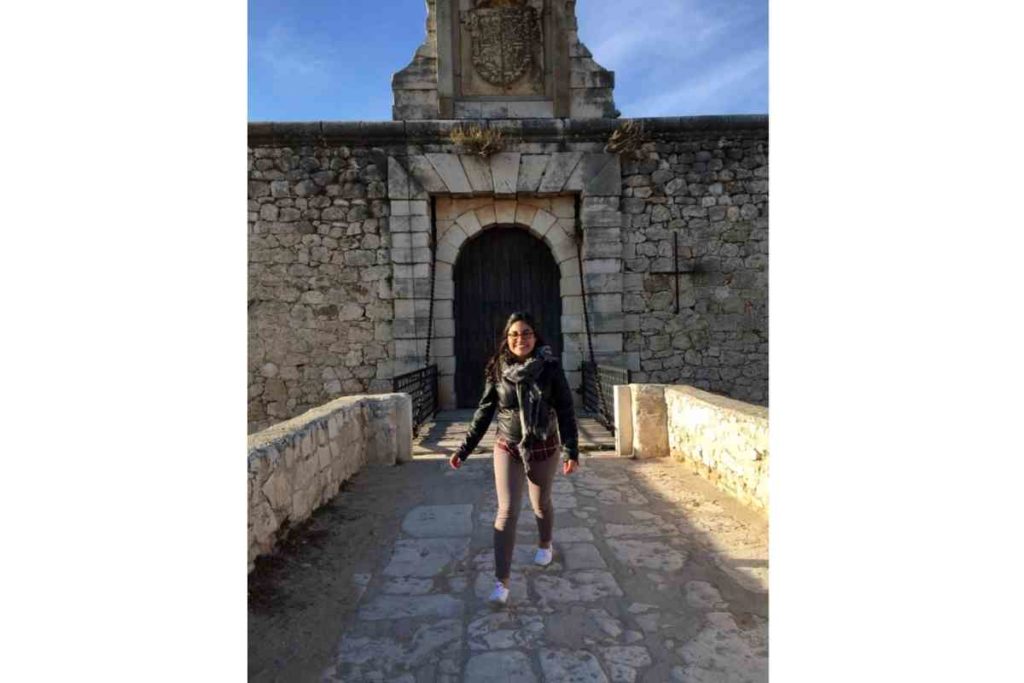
(657, 576)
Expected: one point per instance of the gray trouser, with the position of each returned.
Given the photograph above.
(508, 480)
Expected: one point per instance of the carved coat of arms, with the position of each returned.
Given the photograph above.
(504, 37)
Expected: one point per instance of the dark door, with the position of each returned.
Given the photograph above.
(499, 271)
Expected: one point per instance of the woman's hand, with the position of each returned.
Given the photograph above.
(455, 461)
(570, 466)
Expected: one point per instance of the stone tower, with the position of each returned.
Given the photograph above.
(504, 59)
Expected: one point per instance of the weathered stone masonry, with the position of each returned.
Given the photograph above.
(340, 253)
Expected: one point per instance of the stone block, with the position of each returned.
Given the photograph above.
(650, 421)
(610, 342)
(444, 289)
(278, 489)
(605, 283)
(601, 219)
(410, 328)
(609, 265)
(419, 223)
(542, 222)
(469, 223)
(589, 165)
(451, 172)
(401, 255)
(623, 411)
(608, 181)
(525, 213)
(559, 167)
(478, 171)
(604, 303)
(398, 224)
(572, 323)
(421, 255)
(410, 349)
(505, 173)
(401, 240)
(569, 286)
(602, 246)
(425, 176)
(398, 180)
(436, 521)
(570, 268)
(444, 328)
(564, 251)
(531, 170)
(530, 109)
(485, 215)
(443, 347)
(556, 238)
(447, 252)
(505, 211)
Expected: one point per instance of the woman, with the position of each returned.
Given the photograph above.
(525, 385)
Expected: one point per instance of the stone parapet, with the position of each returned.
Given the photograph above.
(527, 130)
(723, 439)
(298, 465)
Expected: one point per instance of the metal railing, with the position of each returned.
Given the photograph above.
(597, 393)
(421, 385)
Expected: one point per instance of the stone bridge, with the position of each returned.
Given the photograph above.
(658, 574)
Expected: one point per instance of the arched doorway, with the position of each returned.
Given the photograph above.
(500, 270)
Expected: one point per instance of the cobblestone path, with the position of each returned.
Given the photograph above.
(657, 576)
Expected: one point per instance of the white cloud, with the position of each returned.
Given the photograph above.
(625, 31)
(707, 92)
(678, 57)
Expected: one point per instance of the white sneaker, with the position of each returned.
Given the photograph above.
(543, 557)
(499, 596)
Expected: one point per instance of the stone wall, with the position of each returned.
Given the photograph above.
(723, 439)
(710, 192)
(335, 307)
(298, 465)
(320, 307)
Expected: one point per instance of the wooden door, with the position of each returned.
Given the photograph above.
(500, 271)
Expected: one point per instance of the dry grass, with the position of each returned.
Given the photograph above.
(627, 138)
(476, 140)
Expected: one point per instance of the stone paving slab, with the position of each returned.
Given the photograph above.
(657, 576)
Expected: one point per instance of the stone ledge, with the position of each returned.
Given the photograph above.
(528, 130)
(298, 465)
(724, 440)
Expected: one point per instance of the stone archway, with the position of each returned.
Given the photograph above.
(556, 197)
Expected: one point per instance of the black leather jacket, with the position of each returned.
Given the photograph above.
(501, 397)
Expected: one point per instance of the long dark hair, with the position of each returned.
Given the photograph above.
(503, 354)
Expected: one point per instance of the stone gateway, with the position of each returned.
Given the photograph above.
(376, 248)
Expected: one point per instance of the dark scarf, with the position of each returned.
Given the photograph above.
(531, 400)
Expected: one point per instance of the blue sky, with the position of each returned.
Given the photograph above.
(315, 60)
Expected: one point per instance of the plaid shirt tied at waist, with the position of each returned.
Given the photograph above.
(538, 452)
